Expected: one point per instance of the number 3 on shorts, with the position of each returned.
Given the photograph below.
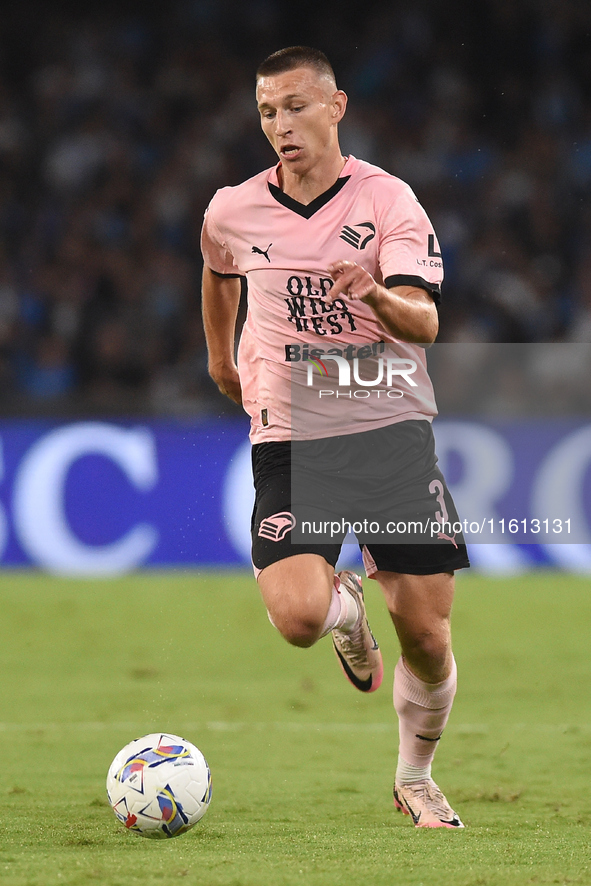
(436, 486)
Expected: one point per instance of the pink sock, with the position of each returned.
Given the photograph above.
(342, 612)
(423, 710)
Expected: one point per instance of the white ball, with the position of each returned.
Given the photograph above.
(159, 786)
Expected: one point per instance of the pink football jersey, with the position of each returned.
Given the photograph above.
(296, 338)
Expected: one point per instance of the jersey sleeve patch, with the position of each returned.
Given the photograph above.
(408, 246)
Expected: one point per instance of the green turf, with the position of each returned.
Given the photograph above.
(302, 764)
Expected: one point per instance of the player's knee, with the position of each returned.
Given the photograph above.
(430, 645)
(298, 629)
(301, 632)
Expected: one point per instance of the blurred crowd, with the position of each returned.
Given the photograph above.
(118, 122)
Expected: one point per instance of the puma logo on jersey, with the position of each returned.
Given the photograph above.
(256, 250)
(353, 237)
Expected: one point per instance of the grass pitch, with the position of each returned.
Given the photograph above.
(302, 764)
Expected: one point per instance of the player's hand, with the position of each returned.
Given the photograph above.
(228, 381)
(352, 280)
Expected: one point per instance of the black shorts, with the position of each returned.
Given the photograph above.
(384, 485)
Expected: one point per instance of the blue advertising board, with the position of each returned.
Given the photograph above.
(102, 498)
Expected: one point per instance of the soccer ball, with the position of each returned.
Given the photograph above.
(159, 786)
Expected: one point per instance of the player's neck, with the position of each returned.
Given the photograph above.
(306, 187)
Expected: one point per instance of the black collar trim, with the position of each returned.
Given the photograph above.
(316, 204)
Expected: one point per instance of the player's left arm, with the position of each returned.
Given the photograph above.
(406, 312)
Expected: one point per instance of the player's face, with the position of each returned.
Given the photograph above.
(300, 110)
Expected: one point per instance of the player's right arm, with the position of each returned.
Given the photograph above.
(220, 302)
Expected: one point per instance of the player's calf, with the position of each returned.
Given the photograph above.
(297, 593)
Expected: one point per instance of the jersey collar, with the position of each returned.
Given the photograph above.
(306, 210)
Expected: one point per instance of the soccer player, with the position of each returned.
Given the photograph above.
(338, 254)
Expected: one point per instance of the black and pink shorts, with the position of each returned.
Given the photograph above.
(383, 485)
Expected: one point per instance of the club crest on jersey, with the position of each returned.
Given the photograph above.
(358, 239)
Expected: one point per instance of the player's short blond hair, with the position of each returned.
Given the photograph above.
(296, 57)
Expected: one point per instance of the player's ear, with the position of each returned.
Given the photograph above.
(339, 105)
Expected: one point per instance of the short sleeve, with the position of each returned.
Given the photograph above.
(216, 254)
(409, 254)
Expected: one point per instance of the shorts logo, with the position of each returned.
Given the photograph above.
(276, 527)
(353, 237)
(443, 537)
